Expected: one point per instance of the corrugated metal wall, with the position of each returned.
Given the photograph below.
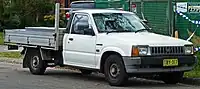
(112, 4)
(157, 15)
(156, 12)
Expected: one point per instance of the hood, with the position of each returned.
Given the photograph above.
(145, 38)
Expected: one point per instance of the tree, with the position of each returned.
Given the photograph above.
(1, 9)
(21, 13)
(32, 11)
(1, 15)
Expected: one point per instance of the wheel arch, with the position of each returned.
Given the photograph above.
(106, 54)
(27, 51)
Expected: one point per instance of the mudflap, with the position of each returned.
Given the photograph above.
(25, 59)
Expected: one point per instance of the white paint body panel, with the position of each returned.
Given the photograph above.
(80, 51)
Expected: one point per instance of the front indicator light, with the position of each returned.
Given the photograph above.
(135, 51)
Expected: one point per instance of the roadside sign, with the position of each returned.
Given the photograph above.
(191, 7)
(134, 7)
(181, 6)
(194, 7)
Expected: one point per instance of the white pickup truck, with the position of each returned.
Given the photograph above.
(115, 43)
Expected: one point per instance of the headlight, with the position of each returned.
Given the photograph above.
(189, 50)
(140, 51)
(143, 50)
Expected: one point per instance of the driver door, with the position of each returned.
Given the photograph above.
(79, 48)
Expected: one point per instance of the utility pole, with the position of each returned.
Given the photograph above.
(170, 16)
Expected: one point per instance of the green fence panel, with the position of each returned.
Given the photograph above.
(112, 4)
(156, 13)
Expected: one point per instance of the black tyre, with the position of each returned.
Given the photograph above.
(172, 78)
(114, 70)
(36, 65)
(85, 72)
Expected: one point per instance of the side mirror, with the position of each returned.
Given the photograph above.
(145, 21)
(82, 26)
(89, 31)
(85, 29)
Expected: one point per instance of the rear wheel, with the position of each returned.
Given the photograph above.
(172, 78)
(36, 65)
(114, 70)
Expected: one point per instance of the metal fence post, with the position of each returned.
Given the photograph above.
(170, 15)
(57, 13)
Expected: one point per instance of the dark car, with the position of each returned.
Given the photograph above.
(83, 4)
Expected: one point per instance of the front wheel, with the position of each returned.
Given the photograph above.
(36, 65)
(114, 70)
(172, 78)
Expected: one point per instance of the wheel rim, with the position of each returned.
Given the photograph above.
(35, 62)
(114, 70)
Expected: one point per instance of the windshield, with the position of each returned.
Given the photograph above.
(118, 22)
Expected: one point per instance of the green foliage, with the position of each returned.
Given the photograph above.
(21, 13)
(1, 38)
(13, 22)
(192, 74)
(50, 19)
(195, 73)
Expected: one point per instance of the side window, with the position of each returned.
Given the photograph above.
(80, 25)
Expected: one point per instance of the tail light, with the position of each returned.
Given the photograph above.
(67, 15)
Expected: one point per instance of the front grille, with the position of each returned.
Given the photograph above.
(167, 50)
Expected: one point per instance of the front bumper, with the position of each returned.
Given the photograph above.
(154, 64)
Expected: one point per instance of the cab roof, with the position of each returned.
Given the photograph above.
(92, 11)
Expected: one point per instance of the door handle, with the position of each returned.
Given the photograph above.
(71, 39)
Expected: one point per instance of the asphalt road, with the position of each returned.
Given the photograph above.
(12, 76)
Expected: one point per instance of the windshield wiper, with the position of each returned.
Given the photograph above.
(141, 30)
(118, 31)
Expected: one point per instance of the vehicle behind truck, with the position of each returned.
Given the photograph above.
(83, 4)
(113, 42)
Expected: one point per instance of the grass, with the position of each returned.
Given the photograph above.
(10, 54)
(195, 73)
(192, 74)
(1, 38)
